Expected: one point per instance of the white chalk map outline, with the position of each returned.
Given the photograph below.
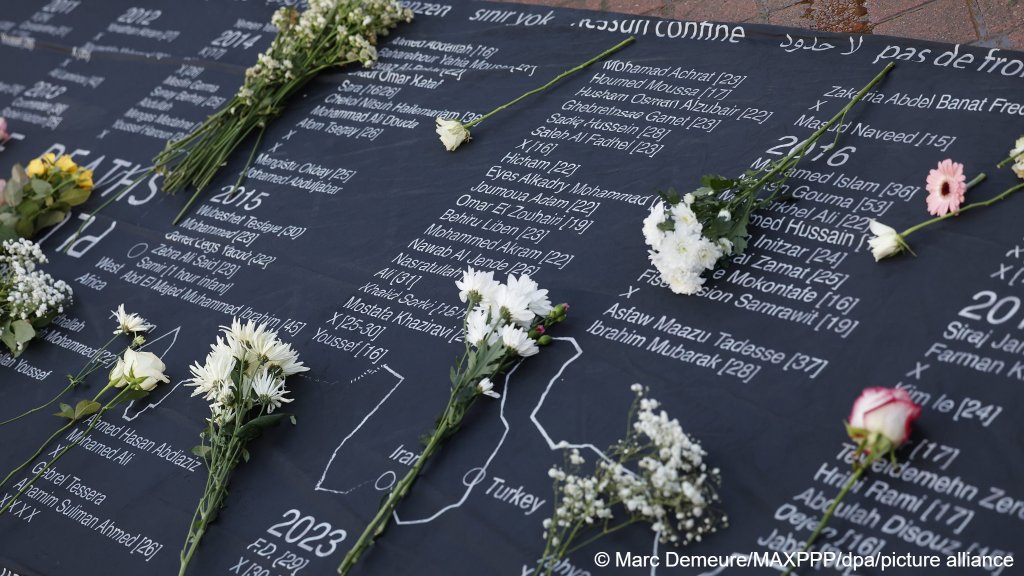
(150, 405)
(319, 484)
(552, 445)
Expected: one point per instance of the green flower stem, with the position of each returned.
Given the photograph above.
(798, 152)
(241, 177)
(35, 455)
(70, 385)
(96, 418)
(858, 471)
(92, 215)
(210, 503)
(45, 444)
(448, 423)
(970, 206)
(569, 72)
(1009, 159)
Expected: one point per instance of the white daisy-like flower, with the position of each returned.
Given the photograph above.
(538, 300)
(129, 324)
(512, 306)
(486, 387)
(517, 340)
(269, 391)
(476, 286)
(479, 328)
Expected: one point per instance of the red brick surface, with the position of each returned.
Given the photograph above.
(997, 23)
(933, 22)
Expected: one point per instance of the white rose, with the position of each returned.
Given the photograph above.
(887, 412)
(887, 241)
(139, 371)
(452, 133)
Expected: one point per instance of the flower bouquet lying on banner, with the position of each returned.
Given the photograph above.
(131, 325)
(243, 379)
(656, 475)
(946, 185)
(504, 323)
(453, 132)
(328, 34)
(41, 195)
(696, 232)
(133, 377)
(29, 298)
(879, 423)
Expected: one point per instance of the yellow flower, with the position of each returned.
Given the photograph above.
(49, 158)
(66, 164)
(84, 179)
(36, 168)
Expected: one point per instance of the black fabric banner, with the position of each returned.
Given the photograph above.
(354, 223)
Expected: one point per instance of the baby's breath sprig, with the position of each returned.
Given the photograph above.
(655, 475)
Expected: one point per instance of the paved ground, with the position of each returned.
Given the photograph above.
(995, 23)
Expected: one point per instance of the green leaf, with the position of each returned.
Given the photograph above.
(74, 196)
(667, 226)
(85, 408)
(48, 219)
(28, 208)
(41, 187)
(253, 428)
(66, 411)
(716, 182)
(670, 196)
(13, 193)
(23, 331)
(203, 451)
(25, 227)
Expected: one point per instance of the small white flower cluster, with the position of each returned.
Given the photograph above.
(681, 254)
(671, 488)
(29, 294)
(504, 313)
(1018, 155)
(245, 368)
(342, 30)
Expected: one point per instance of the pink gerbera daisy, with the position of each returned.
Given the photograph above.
(946, 187)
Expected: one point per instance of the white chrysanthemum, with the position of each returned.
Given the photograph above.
(129, 324)
(517, 340)
(537, 298)
(511, 306)
(479, 328)
(486, 387)
(653, 235)
(269, 391)
(476, 285)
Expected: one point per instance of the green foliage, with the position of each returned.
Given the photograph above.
(29, 204)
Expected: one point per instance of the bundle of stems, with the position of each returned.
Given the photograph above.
(328, 34)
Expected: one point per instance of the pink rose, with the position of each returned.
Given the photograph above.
(884, 411)
(3, 130)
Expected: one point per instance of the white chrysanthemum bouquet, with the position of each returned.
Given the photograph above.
(328, 34)
(29, 298)
(691, 234)
(243, 379)
(656, 475)
(504, 323)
